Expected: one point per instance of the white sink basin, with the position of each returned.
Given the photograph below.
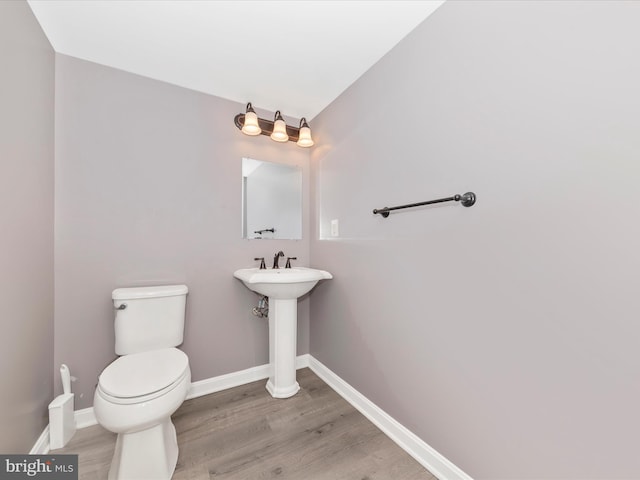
(281, 283)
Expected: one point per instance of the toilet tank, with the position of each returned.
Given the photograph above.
(149, 318)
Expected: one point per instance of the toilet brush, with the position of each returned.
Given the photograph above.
(62, 424)
(65, 375)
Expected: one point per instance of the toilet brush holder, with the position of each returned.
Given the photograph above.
(62, 424)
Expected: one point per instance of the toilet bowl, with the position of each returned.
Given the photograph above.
(135, 398)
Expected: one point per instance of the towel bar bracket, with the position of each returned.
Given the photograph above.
(467, 200)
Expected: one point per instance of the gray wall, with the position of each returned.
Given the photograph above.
(504, 335)
(26, 216)
(148, 192)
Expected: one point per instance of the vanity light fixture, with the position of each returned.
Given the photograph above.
(250, 124)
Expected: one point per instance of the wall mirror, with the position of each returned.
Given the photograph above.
(271, 200)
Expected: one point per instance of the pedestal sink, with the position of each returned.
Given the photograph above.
(283, 287)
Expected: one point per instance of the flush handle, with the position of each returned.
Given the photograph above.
(121, 307)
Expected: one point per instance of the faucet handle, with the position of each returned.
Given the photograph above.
(288, 265)
(262, 265)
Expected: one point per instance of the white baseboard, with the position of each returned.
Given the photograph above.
(408, 441)
(85, 418)
(235, 379)
(303, 361)
(229, 380)
(41, 447)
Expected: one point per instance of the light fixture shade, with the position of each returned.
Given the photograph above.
(279, 129)
(304, 137)
(251, 126)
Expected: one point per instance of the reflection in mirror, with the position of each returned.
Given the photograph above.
(271, 200)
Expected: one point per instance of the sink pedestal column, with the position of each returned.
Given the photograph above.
(283, 328)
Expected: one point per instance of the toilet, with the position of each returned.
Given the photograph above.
(139, 391)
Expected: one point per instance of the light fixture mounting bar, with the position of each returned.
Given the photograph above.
(267, 127)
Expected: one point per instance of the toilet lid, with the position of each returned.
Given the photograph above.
(143, 373)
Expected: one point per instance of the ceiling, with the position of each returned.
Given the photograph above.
(293, 56)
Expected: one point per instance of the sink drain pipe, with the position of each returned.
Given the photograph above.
(262, 310)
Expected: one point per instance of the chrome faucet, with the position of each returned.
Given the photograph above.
(276, 259)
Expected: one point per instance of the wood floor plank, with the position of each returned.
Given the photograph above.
(244, 434)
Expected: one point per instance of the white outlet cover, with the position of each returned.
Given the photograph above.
(335, 228)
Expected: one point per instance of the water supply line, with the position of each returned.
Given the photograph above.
(262, 310)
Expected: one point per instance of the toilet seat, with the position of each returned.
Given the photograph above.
(141, 377)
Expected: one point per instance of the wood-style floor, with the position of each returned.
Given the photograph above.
(244, 434)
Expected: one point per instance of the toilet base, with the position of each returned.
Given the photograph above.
(150, 453)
